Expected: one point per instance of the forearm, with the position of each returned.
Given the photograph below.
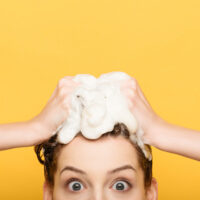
(20, 134)
(176, 139)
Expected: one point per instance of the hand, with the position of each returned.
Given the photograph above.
(56, 110)
(148, 120)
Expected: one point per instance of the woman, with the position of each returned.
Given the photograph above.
(158, 132)
(110, 167)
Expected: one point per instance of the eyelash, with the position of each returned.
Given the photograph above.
(124, 180)
(118, 179)
(71, 180)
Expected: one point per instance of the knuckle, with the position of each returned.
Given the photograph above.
(61, 82)
(130, 94)
(131, 104)
(65, 103)
(132, 91)
(133, 79)
(133, 83)
(62, 91)
(68, 77)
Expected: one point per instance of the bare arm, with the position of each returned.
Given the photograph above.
(20, 134)
(175, 139)
(158, 132)
(42, 126)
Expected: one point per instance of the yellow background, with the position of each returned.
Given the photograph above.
(155, 41)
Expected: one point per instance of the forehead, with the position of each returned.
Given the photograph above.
(102, 154)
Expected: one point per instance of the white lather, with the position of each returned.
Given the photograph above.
(96, 105)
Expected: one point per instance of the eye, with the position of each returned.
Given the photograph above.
(75, 185)
(121, 185)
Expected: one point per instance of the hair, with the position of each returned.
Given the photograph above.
(50, 151)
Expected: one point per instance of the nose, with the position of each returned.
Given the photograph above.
(98, 194)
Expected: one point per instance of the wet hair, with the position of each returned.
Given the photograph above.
(50, 151)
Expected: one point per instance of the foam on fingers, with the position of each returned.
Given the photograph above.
(96, 105)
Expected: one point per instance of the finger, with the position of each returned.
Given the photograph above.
(129, 93)
(54, 93)
(124, 85)
(68, 77)
(142, 96)
(68, 81)
(134, 85)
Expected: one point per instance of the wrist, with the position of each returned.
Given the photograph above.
(39, 131)
(154, 135)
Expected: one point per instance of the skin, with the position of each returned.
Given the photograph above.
(42, 126)
(158, 132)
(96, 158)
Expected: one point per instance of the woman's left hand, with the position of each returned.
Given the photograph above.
(141, 109)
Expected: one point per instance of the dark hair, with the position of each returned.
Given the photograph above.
(50, 151)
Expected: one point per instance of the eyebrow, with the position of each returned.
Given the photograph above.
(74, 169)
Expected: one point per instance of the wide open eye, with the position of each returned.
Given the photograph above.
(121, 185)
(75, 185)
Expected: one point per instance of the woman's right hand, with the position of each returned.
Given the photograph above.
(55, 111)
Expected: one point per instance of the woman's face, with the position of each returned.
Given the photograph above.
(103, 169)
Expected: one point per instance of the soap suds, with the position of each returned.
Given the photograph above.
(96, 105)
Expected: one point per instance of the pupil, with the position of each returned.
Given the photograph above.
(76, 186)
(120, 186)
